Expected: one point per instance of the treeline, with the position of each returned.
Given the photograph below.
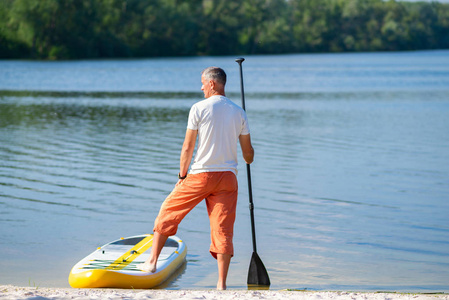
(75, 29)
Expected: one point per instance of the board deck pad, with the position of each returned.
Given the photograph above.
(115, 264)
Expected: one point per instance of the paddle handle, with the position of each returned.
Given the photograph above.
(248, 168)
(242, 90)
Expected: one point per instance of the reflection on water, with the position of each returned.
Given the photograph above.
(171, 282)
(350, 187)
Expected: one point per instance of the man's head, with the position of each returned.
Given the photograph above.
(214, 81)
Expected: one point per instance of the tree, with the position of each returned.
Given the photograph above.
(74, 29)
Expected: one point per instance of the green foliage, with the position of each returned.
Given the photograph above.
(76, 29)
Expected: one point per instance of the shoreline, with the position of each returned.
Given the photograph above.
(19, 293)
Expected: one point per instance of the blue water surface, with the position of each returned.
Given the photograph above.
(350, 180)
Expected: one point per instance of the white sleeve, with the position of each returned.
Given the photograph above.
(245, 125)
(194, 118)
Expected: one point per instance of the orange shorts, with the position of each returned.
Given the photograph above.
(220, 191)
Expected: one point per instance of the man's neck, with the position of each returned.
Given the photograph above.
(218, 93)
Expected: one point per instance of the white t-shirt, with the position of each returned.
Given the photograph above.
(219, 122)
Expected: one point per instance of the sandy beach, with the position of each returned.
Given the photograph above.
(14, 292)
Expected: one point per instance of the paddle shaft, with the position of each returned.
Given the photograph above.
(248, 168)
(251, 208)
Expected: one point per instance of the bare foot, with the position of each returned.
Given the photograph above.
(146, 267)
(221, 287)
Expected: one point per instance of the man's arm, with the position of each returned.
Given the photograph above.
(247, 148)
(187, 151)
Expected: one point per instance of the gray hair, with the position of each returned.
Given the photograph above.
(216, 74)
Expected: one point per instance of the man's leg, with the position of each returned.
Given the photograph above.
(221, 207)
(158, 243)
(223, 261)
(185, 196)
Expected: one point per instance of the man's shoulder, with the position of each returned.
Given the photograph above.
(215, 102)
(230, 102)
(209, 101)
(202, 103)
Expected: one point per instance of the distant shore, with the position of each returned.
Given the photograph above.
(15, 292)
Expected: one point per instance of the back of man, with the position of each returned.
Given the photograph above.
(219, 122)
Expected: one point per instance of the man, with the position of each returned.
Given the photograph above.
(219, 124)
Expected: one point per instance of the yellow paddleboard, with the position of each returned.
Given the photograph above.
(114, 264)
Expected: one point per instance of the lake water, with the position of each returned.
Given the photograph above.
(350, 180)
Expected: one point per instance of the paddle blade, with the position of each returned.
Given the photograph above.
(257, 274)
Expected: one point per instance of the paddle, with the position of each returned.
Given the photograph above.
(257, 274)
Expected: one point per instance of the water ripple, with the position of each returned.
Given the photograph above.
(351, 186)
